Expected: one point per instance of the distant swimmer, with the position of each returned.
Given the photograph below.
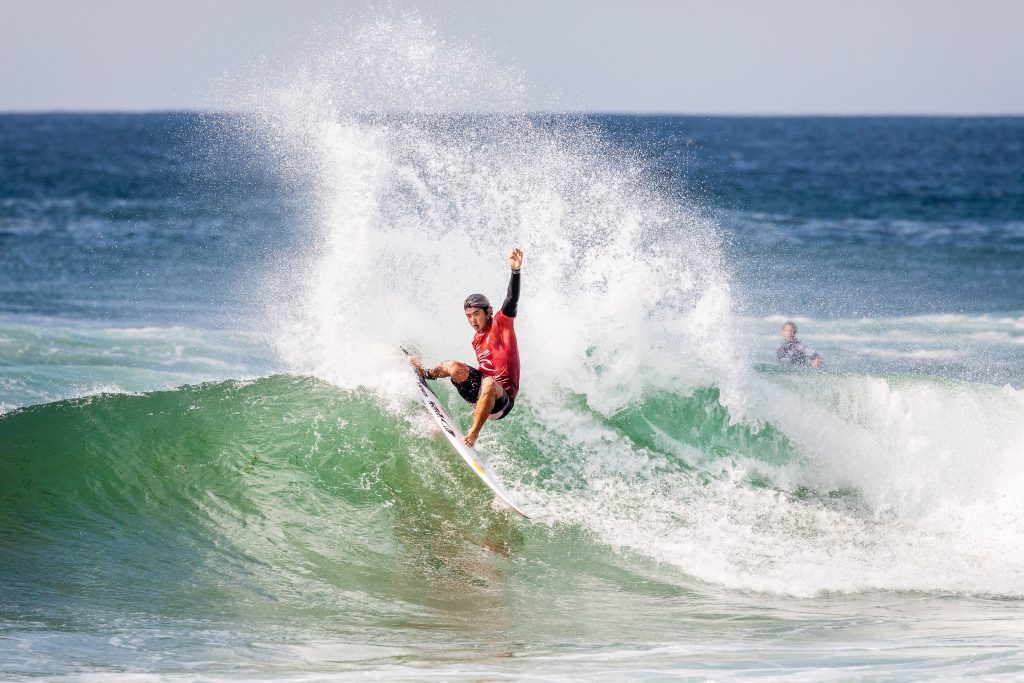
(794, 352)
(493, 386)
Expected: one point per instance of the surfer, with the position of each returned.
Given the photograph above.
(794, 352)
(493, 386)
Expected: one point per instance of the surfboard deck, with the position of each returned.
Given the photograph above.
(454, 435)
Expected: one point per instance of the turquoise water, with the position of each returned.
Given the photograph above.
(282, 528)
(213, 465)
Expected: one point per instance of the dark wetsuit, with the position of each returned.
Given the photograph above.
(795, 353)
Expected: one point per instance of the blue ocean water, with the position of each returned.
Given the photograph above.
(214, 467)
(798, 197)
(843, 217)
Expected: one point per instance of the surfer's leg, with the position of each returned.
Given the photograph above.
(469, 387)
(459, 372)
(490, 391)
(502, 406)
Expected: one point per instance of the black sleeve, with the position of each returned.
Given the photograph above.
(512, 298)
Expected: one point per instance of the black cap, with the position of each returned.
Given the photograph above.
(477, 301)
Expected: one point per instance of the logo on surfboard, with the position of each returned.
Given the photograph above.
(435, 409)
(440, 418)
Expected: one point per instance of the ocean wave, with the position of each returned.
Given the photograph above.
(828, 484)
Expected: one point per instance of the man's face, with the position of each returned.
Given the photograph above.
(477, 318)
(788, 332)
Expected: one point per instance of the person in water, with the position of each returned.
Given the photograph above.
(794, 352)
(493, 386)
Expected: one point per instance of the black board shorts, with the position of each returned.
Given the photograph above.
(470, 390)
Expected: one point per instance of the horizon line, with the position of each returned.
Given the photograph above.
(539, 112)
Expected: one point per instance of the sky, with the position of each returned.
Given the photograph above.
(852, 57)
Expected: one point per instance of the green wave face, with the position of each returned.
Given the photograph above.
(281, 493)
(287, 501)
(287, 510)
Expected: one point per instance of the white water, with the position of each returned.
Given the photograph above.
(624, 291)
(418, 210)
(936, 467)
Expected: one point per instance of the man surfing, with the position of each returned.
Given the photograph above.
(493, 386)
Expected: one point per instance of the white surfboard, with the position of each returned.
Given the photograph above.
(454, 435)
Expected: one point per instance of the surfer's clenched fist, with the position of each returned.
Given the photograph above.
(515, 259)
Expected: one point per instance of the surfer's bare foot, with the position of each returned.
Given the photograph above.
(470, 438)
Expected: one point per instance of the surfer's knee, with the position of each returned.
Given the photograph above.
(459, 372)
(488, 387)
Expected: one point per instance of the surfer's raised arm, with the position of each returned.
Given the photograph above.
(511, 303)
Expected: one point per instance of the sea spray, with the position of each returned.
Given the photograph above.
(626, 296)
(624, 286)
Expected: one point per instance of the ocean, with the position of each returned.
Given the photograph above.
(213, 464)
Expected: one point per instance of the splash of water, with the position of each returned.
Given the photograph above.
(420, 201)
(426, 172)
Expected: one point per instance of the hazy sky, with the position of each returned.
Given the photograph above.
(714, 56)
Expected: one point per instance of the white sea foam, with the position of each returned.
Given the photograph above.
(931, 470)
(624, 290)
(419, 211)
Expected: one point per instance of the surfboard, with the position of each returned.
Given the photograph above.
(454, 435)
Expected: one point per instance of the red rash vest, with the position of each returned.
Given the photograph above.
(496, 349)
(498, 353)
